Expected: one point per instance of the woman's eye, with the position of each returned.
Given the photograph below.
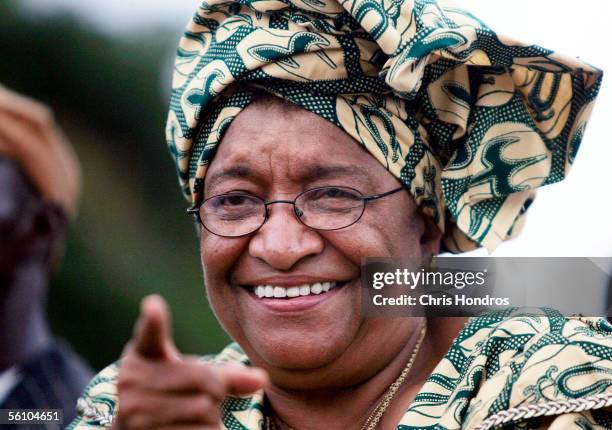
(234, 200)
(335, 193)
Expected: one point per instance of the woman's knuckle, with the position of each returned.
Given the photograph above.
(199, 378)
(200, 409)
(199, 415)
(126, 380)
(205, 369)
(205, 407)
(210, 382)
(129, 408)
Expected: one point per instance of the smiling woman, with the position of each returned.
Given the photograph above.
(285, 253)
(309, 136)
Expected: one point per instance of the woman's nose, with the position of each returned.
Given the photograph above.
(283, 240)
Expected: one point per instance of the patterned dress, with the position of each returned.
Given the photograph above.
(508, 369)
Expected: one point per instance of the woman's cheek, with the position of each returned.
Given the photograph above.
(352, 243)
(218, 255)
(392, 238)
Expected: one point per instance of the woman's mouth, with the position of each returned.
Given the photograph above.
(294, 298)
(277, 292)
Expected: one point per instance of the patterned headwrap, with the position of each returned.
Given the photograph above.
(470, 121)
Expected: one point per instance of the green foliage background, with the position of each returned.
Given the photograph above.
(132, 236)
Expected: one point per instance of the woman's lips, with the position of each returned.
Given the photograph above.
(294, 304)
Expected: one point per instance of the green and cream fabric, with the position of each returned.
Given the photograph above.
(505, 360)
(470, 121)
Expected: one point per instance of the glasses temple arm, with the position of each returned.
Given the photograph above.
(378, 196)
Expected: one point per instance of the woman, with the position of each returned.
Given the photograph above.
(353, 130)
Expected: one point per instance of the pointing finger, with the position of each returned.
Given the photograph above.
(153, 338)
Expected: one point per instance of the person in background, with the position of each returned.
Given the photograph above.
(39, 187)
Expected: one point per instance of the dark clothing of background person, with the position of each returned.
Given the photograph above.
(51, 379)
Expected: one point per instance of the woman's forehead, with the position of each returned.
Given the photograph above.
(266, 137)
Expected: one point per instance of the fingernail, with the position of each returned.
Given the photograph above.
(152, 300)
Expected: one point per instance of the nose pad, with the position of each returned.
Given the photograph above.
(299, 212)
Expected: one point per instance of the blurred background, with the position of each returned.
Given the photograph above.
(104, 66)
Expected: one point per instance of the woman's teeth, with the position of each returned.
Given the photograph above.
(302, 290)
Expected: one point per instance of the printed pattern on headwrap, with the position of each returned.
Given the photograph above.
(502, 360)
(470, 121)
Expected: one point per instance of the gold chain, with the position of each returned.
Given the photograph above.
(375, 417)
(382, 406)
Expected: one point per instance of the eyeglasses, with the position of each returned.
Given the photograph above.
(237, 214)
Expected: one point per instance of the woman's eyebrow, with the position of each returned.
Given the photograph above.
(310, 173)
(239, 171)
(328, 171)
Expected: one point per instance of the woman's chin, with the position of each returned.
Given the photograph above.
(299, 351)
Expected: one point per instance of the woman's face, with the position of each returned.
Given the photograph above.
(276, 152)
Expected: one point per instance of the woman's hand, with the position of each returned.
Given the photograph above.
(161, 389)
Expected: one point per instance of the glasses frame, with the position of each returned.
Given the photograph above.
(195, 210)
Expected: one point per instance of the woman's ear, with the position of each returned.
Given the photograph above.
(431, 237)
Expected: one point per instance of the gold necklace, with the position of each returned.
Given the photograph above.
(376, 415)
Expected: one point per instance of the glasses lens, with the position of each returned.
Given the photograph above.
(330, 208)
(233, 214)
